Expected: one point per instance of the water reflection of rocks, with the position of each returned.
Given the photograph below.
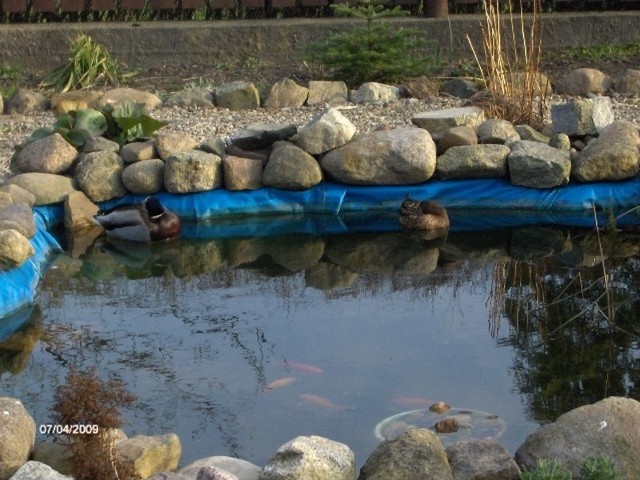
(574, 313)
(548, 283)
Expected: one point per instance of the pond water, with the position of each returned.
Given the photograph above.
(240, 344)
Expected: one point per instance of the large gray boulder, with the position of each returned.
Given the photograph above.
(582, 81)
(79, 212)
(238, 95)
(192, 171)
(473, 161)
(145, 177)
(99, 175)
(628, 83)
(328, 130)
(527, 132)
(621, 131)
(402, 156)
(286, 93)
(614, 155)
(436, 120)
(52, 154)
(47, 188)
(414, 455)
(374, 92)
(15, 249)
(242, 173)
(63, 102)
(33, 470)
(582, 116)
(608, 428)
(536, 165)
(98, 144)
(495, 130)
(24, 102)
(422, 87)
(5, 199)
(481, 460)
(455, 137)
(460, 87)
(149, 455)
(305, 458)
(240, 468)
(18, 194)
(136, 151)
(215, 473)
(19, 217)
(191, 99)
(17, 435)
(119, 96)
(604, 161)
(291, 168)
(330, 92)
(170, 143)
(262, 135)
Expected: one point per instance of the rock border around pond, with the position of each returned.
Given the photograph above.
(585, 144)
(608, 429)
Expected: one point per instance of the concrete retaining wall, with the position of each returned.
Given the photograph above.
(41, 47)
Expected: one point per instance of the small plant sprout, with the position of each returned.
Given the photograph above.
(598, 468)
(546, 470)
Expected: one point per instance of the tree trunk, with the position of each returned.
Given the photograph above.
(435, 8)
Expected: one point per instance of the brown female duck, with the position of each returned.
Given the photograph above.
(428, 215)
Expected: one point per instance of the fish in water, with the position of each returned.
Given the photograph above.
(143, 222)
(281, 382)
(302, 367)
(318, 401)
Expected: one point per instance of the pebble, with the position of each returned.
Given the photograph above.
(221, 122)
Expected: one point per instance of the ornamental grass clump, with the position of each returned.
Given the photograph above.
(88, 401)
(90, 63)
(512, 51)
(379, 51)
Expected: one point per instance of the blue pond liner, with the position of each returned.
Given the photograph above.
(473, 205)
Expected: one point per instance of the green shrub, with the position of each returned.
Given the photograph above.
(379, 51)
(89, 63)
(598, 468)
(546, 470)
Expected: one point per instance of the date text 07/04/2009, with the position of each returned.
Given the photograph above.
(57, 429)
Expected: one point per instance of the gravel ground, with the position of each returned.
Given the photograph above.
(204, 124)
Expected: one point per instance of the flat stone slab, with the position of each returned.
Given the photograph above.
(451, 117)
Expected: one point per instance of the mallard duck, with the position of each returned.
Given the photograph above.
(427, 215)
(143, 222)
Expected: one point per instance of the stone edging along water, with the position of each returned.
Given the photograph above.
(473, 163)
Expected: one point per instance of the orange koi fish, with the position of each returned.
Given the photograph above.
(279, 383)
(318, 401)
(302, 367)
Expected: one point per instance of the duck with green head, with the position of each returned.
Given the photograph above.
(144, 222)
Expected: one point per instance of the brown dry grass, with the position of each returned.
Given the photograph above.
(512, 55)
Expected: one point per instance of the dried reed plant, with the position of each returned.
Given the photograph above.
(86, 400)
(511, 69)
